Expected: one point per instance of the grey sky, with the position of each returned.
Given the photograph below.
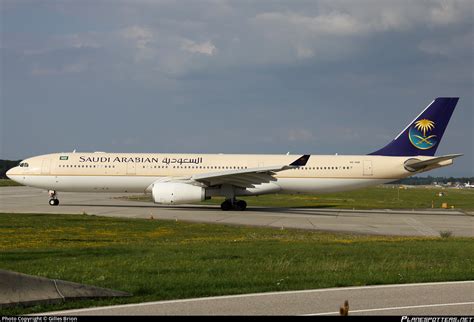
(318, 77)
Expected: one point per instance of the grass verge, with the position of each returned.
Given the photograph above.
(8, 183)
(162, 260)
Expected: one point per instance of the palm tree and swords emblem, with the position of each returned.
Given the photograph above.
(418, 134)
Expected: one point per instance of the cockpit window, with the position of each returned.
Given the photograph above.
(24, 165)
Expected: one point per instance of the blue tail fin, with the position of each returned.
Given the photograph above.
(423, 135)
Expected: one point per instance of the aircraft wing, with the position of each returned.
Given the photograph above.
(247, 178)
(416, 165)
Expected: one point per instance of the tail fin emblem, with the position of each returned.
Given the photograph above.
(418, 134)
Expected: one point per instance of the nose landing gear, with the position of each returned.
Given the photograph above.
(53, 201)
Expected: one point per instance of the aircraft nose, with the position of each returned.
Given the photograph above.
(10, 173)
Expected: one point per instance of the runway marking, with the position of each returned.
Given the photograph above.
(394, 308)
(418, 226)
(309, 220)
(255, 295)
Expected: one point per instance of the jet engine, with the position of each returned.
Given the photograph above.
(171, 193)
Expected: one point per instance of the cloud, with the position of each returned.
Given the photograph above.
(87, 40)
(462, 43)
(338, 29)
(172, 41)
(300, 135)
(65, 69)
(141, 40)
(304, 52)
(331, 24)
(206, 48)
(141, 36)
(447, 12)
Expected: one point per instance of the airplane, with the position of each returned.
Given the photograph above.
(468, 185)
(187, 178)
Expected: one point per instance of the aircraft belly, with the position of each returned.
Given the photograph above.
(91, 183)
(325, 185)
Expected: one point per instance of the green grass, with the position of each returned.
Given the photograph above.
(8, 183)
(161, 260)
(381, 197)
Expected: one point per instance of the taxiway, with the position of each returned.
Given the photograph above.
(428, 222)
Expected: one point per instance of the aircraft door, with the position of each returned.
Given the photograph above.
(46, 167)
(368, 168)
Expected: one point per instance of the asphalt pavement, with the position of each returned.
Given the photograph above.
(450, 298)
(429, 222)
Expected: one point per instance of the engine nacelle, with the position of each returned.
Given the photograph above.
(171, 193)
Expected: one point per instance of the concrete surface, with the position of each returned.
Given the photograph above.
(384, 222)
(22, 289)
(451, 298)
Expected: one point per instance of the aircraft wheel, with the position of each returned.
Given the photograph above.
(226, 205)
(240, 205)
(52, 202)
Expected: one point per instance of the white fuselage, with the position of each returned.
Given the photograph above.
(130, 172)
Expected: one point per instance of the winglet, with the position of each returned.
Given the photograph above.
(301, 161)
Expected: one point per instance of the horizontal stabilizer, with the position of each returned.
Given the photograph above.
(417, 165)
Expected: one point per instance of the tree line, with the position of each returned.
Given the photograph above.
(6, 165)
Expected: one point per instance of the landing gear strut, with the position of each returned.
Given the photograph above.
(230, 204)
(53, 201)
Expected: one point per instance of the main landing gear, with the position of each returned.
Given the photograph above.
(233, 204)
(53, 198)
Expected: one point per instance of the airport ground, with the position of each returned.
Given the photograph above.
(446, 298)
(324, 217)
(175, 259)
(160, 260)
